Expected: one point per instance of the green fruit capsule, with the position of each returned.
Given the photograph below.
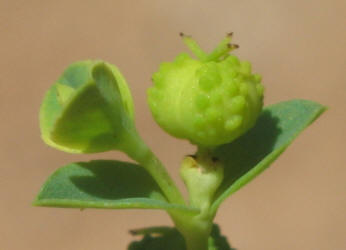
(210, 100)
(89, 109)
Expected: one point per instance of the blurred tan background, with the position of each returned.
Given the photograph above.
(297, 46)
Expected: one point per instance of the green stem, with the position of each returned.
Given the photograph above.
(140, 152)
(195, 230)
(160, 174)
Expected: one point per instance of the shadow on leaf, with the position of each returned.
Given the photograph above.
(240, 156)
(116, 180)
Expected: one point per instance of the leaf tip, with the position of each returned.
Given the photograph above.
(36, 202)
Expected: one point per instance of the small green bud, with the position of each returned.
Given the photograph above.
(89, 109)
(202, 177)
(209, 101)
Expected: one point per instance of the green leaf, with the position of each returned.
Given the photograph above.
(89, 109)
(168, 238)
(248, 156)
(104, 184)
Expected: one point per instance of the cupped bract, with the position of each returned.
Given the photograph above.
(89, 109)
(209, 101)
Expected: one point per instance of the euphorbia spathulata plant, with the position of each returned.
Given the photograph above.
(213, 100)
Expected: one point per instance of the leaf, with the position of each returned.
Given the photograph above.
(248, 156)
(89, 109)
(104, 184)
(84, 125)
(169, 238)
